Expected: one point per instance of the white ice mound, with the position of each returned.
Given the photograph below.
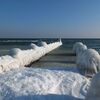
(8, 63)
(33, 46)
(89, 61)
(44, 44)
(94, 90)
(19, 58)
(14, 52)
(34, 82)
(79, 47)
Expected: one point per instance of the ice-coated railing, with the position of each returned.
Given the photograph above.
(20, 58)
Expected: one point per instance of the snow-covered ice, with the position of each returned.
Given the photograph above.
(94, 90)
(42, 84)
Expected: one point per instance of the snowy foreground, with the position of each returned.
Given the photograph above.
(20, 83)
(43, 84)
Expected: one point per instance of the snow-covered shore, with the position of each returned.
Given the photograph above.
(20, 58)
(42, 84)
(23, 83)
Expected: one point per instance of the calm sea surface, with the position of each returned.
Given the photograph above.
(62, 56)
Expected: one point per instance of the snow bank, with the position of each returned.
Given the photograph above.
(87, 60)
(94, 90)
(42, 84)
(19, 58)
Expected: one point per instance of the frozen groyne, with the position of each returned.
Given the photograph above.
(20, 58)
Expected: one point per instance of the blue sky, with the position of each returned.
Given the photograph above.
(50, 18)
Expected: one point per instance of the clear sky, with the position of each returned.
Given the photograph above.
(50, 18)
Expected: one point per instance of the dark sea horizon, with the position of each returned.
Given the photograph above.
(62, 56)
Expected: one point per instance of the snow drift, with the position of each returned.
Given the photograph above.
(87, 60)
(94, 90)
(19, 58)
(42, 84)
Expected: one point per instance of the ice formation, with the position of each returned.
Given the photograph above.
(33, 46)
(87, 60)
(44, 44)
(19, 58)
(8, 63)
(79, 48)
(38, 84)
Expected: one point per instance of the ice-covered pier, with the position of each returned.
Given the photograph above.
(20, 58)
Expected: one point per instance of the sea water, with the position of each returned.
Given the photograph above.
(62, 56)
